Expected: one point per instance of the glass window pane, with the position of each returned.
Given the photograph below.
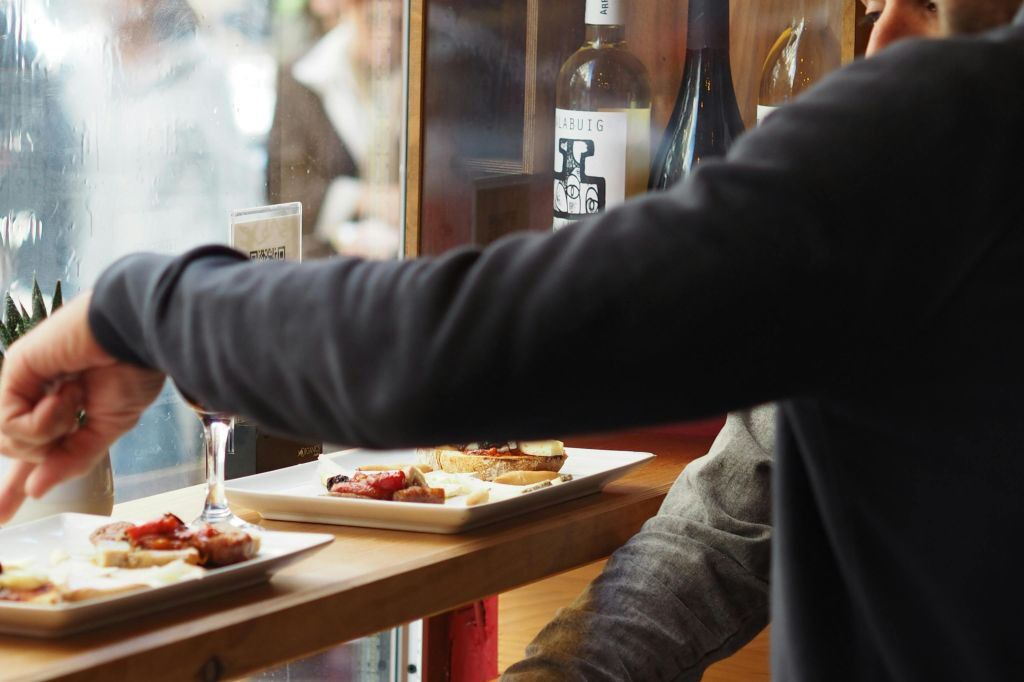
(130, 125)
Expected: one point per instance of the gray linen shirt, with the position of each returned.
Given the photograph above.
(687, 590)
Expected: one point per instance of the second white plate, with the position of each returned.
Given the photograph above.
(295, 494)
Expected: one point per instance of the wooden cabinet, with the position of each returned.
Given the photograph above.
(481, 107)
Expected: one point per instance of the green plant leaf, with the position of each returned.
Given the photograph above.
(5, 336)
(13, 319)
(58, 298)
(38, 306)
(26, 320)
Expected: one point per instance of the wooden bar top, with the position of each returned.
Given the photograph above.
(365, 581)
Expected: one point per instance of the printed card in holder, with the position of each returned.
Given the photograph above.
(268, 232)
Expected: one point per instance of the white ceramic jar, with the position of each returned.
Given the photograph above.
(92, 493)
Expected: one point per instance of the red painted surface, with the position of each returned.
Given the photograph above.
(462, 645)
(474, 641)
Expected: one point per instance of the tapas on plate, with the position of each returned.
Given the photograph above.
(125, 557)
(476, 472)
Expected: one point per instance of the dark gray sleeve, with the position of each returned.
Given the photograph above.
(748, 282)
(689, 589)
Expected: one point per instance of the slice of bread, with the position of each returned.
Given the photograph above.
(122, 555)
(428, 457)
(457, 462)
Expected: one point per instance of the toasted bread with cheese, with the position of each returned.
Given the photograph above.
(168, 539)
(489, 460)
(27, 587)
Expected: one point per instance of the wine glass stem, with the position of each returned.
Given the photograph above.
(216, 433)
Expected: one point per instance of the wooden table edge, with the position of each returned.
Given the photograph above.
(288, 625)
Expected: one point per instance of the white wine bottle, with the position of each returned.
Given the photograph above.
(803, 53)
(706, 118)
(602, 119)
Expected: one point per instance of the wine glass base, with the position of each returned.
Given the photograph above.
(228, 518)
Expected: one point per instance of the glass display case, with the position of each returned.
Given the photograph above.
(139, 125)
(483, 89)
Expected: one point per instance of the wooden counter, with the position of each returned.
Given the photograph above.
(365, 581)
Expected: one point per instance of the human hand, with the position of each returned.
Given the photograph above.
(49, 376)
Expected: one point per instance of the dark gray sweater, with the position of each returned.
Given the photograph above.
(858, 258)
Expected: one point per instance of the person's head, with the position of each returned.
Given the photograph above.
(326, 13)
(972, 16)
(141, 23)
(895, 19)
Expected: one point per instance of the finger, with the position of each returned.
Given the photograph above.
(54, 470)
(17, 449)
(12, 490)
(60, 346)
(52, 418)
(74, 456)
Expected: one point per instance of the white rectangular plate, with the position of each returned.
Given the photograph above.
(37, 540)
(295, 493)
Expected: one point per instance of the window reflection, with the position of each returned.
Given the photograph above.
(335, 139)
(163, 158)
(129, 125)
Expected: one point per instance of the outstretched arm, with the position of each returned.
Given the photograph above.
(642, 315)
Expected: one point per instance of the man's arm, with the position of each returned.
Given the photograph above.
(689, 589)
(614, 322)
(644, 314)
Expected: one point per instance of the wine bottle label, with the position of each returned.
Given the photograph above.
(605, 13)
(590, 162)
(763, 112)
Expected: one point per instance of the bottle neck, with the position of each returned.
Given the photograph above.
(801, 11)
(708, 24)
(606, 21)
(599, 34)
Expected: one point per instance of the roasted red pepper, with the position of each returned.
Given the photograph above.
(167, 525)
(380, 486)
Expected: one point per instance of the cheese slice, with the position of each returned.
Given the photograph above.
(542, 448)
(22, 579)
(453, 484)
(327, 468)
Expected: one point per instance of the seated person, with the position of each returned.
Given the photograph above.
(692, 586)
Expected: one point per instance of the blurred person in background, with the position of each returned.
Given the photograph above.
(334, 144)
(151, 99)
(163, 165)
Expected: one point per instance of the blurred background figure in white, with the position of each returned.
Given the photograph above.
(334, 144)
